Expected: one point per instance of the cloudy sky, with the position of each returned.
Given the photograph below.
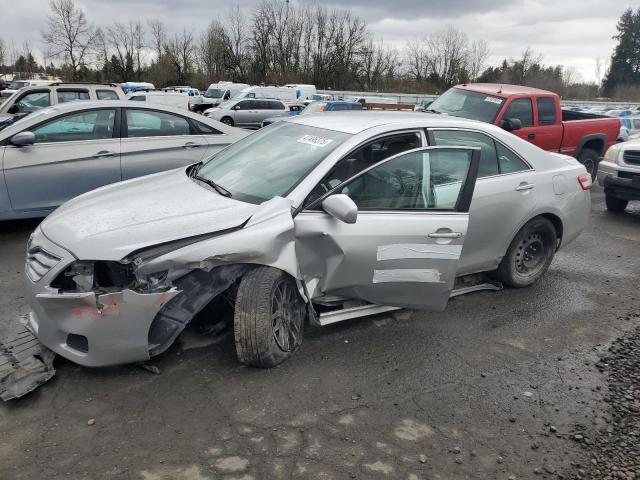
(570, 32)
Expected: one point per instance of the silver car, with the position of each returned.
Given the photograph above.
(59, 152)
(247, 113)
(325, 217)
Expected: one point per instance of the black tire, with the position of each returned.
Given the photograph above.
(227, 121)
(268, 319)
(590, 159)
(529, 255)
(615, 204)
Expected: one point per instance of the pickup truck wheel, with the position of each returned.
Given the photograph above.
(589, 158)
(615, 204)
(227, 121)
(268, 319)
(529, 255)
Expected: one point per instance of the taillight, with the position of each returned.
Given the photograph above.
(585, 181)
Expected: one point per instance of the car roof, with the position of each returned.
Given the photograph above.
(503, 89)
(79, 105)
(356, 121)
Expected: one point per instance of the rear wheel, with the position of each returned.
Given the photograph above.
(615, 204)
(227, 121)
(529, 255)
(268, 319)
(589, 158)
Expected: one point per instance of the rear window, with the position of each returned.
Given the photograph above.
(72, 95)
(546, 111)
(106, 95)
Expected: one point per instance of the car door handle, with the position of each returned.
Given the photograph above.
(524, 187)
(189, 145)
(531, 136)
(445, 235)
(104, 153)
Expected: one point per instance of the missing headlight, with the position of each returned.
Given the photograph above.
(102, 276)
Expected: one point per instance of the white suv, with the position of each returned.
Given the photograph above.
(619, 174)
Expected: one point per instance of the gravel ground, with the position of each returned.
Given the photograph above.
(614, 449)
(495, 387)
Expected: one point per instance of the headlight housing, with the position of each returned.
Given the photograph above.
(612, 154)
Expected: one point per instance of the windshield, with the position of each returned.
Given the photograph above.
(17, 85)
(270, 162)
(214, 93)
(467, 104)
(314, 107)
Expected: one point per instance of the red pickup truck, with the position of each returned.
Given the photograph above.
(534, 115)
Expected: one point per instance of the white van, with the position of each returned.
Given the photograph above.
(365, 100)
(172, 99)
(218, 93)
(306, 91)
(290, 93)
(18, 84)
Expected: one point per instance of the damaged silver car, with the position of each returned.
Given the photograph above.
(324, 218)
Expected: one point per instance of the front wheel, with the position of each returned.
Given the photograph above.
(589, 158)
(615, 204)
(529, 255)
(268, 319)
(227, 121)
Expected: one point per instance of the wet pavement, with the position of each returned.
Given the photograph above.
(495, 387)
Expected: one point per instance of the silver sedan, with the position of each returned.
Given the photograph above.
(59, 152)
(323, 217)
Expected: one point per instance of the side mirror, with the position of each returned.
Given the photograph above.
(23, 139)
(236, 107)
(341, 207)
(13, 109)
(511, 124)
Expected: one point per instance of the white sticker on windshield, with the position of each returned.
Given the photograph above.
(492, 100)
(315, 140)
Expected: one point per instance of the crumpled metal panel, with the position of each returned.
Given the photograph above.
(25, 364)
(116, 324)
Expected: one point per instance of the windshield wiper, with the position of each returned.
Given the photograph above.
(431, 110)
(221, 190)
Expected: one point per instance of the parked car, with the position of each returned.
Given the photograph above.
(322, 97)
(62, 151)
(218, 93)
(247, 113)
(137, 87)
(289, 93)
(30, 99)
(328, 217)
(171, 99)
(619, 112)
(378, 100)
(317, 107)
(303, 92)
(535, 116)
(623, 136)
(16, 85)
(619, 174)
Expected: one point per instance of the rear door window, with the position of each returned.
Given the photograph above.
(462, 138)
(72, 95)
(82, 126)
(546, 111)
(151, 123)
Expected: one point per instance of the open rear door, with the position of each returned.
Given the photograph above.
(404, 248)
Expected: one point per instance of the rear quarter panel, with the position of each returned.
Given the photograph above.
(575, 131)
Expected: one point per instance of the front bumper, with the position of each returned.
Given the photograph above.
(88, 328)
(623, 184)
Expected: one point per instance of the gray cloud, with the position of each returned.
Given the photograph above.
(570, 32)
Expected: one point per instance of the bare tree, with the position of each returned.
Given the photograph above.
(159, 35)
(477, 56)
(128, 42)
(3, 53)
(181, 53)
(69, 36)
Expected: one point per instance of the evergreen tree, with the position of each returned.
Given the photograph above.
(625, 61)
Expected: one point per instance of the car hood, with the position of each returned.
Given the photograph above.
(112, 221)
